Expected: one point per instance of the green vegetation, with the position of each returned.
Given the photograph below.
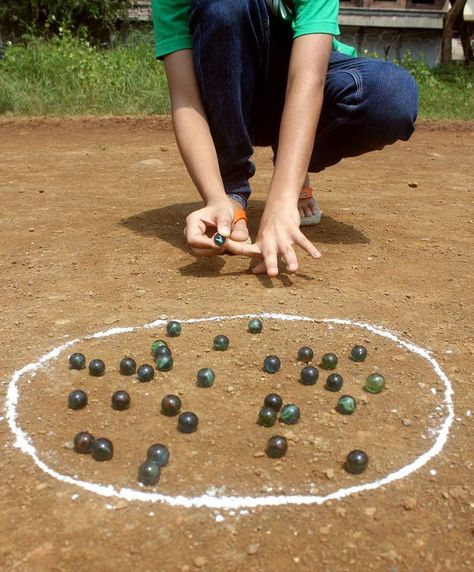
(446, 92)
(67, 75)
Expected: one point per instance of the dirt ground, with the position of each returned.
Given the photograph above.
(92, 212)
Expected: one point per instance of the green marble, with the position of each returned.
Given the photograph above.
(271, 364)
(346, 405)
(356, 462)
(157, 344)
(375, 383)
(277, 447)
(329, 361)
(164, 363)
(267, 417)
(358, 353)
(309, 375)
(334, 382)
(148, 473)
(255, 326)
(221, 343)
(218, 239)
(305, 354)
(290, 414)
(173, 329)
(205, 377)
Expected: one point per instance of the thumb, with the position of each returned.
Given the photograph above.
(224, 222)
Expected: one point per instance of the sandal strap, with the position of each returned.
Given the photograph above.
(306, 193)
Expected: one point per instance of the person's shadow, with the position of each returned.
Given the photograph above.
(167, 223)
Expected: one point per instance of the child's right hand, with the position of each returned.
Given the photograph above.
(202, 225)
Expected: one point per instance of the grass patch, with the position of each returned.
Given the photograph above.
(446, 91)
(68, 76)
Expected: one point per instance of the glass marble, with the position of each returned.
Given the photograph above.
(305, 354)
(277, 447)
(218, 239)
(96, 367)
(290, 414)
(205, 377)
(173, 328)
(346, 405)
(127, 366)
(164, 363)
(356, 462)
(83, 442)
(267, 417)
(358, 353)
(149, 473)
(162, 351)
(375, 383)
(159, 454)
(145, 372)
(329, 361)
(170, 405)
(274, 401)
(102, 449)
(271, 364)
(255, 326)
(157, 344)
(334, 382)
(120, 400)
(77, 399)
(77, 361)
(309, 375)
(188, 422)
(221, 343)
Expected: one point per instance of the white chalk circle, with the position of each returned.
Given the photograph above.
(215, 501)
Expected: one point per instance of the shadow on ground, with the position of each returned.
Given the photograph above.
(166, 223)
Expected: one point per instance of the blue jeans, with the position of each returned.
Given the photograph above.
(241, 55)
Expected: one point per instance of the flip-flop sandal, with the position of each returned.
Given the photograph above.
(307, 193)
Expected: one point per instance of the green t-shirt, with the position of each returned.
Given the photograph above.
(170, 19)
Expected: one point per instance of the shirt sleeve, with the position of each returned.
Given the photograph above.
(171, 24)
(315, 17)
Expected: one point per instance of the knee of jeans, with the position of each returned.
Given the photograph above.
(220, 13)
(392, 95)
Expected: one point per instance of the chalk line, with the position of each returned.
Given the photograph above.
(213, 501)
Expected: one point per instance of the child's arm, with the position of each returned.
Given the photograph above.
(199, 155)
(279, 228)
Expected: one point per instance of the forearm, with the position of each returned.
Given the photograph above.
(191, 126)
(304, 98)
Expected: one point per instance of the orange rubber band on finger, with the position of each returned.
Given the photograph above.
(240, 214)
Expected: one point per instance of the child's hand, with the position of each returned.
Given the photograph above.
(278, 233)
(202, 225)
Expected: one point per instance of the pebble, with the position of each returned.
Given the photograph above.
(253, 548)
(200, 561)
(413, 185)
(407, 422)
(370, 511)
(329, 474)
(409, 503)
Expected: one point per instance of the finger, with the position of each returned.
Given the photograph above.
(271, 261)
(259, 268)
(307, 245)
(290, 259)
(206, 252)
(197, 242)
(243, 248)
(224, 222)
